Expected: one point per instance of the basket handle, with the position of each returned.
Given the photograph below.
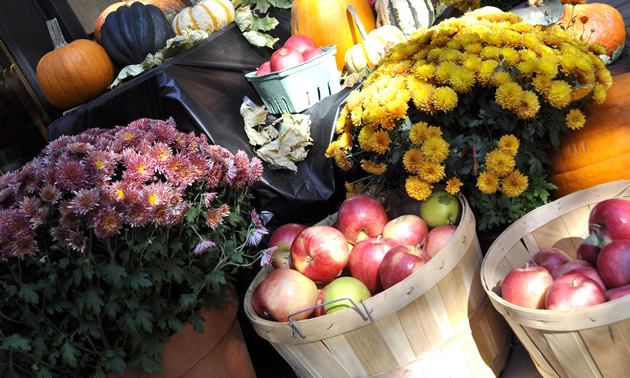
(357, 21)
(367, 316)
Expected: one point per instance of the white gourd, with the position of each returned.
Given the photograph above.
(408, 15)
(370, 52)
(206, 15)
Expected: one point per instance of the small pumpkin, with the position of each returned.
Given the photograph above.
(73, 73)
(370, 52)
(328, 22)
(207, 15)
(408, 15)
(130, 33)
(169, 7)
(604, 25)
(599, 152)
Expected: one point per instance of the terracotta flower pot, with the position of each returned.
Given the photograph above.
(219, 352)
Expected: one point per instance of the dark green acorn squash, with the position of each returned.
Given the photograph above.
(130, 33)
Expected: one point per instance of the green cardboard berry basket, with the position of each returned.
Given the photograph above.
(295, 89)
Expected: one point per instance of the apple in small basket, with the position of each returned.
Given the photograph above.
(399, 263)
(310, 54)
(573, 291)
(284, 292)
(300, 43)
(610, 220)
(526, 286)
(407, 229)
(613, 263)
(264, 69)
(437, 238)
(618, 292)
(361, 217)
(569, 267)
(550, 258)
(282, 238)
(365, 260)
(320, 252)
(284, 58)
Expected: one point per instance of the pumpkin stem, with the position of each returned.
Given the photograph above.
(55, 33)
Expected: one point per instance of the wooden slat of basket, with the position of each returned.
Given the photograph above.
(566, 346)
(371, 349)
(609, 347)
(529, 345)
(539, 339)
(288, 355)
(420, 326)
(318, 360)
(346, 356)
(396, 338)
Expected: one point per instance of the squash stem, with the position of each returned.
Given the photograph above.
(55, 33)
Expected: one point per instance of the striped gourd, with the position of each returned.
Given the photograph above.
(408, 15)
(370, 52)
(207, 15)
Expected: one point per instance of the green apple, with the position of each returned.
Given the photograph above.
(344, 287)
(440, 209)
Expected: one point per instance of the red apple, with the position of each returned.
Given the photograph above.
(591, 273)
(406, 229)
(284, 58)
(282, 238)
(573, 291)
(264, 69)
(437, 238)
(300, 42)
(569, 267)
(588, 252)
(361, 217)
(399, 263)
(319, 311)
(311, 53)
(320, 253)
(613, 263)
(282, 293)
(550, 258)
(618, 292)
(365, 260)
(526, 286)
(610, 220)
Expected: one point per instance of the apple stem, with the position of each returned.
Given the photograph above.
(574, 283)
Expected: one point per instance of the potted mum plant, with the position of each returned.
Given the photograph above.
(475, 103)
(113, 240)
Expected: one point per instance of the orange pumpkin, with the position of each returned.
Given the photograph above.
(328, 22)
(169, 7)
(75, 72)
(599, 152)
(604, 25)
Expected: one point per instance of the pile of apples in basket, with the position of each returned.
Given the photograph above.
(601, 272)
(363, 252)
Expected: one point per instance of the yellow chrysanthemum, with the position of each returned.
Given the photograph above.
(597, 49)
(444, 99)
(522, 27)
(434, 54)
(528, 105)
(530, 40)
(431, 132)
(330, 150)
(486, 70)
(472, 62)
(450, 55)
(511, 38)
(508, 95)
(509, 144)
(444, 71)
(526, 54)
(397, 109)
(416, 134)
(435, 149)
(527, 67)
(584, 63)
(474, 48)
(604, 77)
(500, 78)
(453, 185)
(510, 55)
(514, 184)
(418, 189)
(341, 159)
(424, 71)
(431, 172)
(490, 52)
(462, 80)
(470, 38)
(559, 94)
(341, 121)
(352, 189)
(487, 182)
(380, 142)
(547, 67)
(373, 168)
(542, 83)
(365, 137)
(422, 97)
(499, 163)
(412, 160)
(579, 92)
(354, 99)
(492, 38)
(599, 93)
(345, 139)
(575, 119)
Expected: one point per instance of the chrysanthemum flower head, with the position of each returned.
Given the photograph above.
(488, 182)
(412, 160)
(373, 168)
(528, 105)
(453, 185)
(514, 184)
(508, 95)
(509, 144)
(431, 172)
(444, 99)
(499, 163)
(435, 149)
(417, 133)
(559, 94)
(417, 188)
(575, 119)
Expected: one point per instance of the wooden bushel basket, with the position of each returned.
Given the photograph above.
(438, 322)
(591, 342)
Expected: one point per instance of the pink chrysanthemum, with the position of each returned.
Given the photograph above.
(160, 213)
(39, 217)
(60, 234)
(102, 164)
(131, 195)
(242, 173)
(178, 171)
(29, 205)
(107, 222)
(158, 193)
(215, 216)
(85, 200)
(138, 214)
(71, 175)
(267, 257)
(80, 147)
(259, 230)
(177, 213)
(128, 136)
(204, 246)
(54, 147)
(161, 153)
(198, 166)
(76, 241)
(139, 168)
(24, 245)
(209, 198)
(213, 176)
(164, 132)
(141, 124)
(230, 171)
(49, 193)
(255, 170)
